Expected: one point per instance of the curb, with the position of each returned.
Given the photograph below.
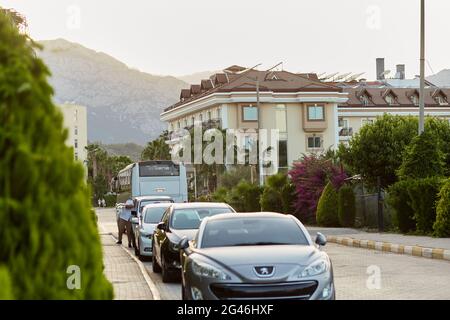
(155, 292)
(417, 251)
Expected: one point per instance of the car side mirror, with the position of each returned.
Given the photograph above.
(321, 240)
(135, 220)
(184, 243)
(161, 226)
(134, 213)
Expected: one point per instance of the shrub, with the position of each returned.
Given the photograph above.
(400, 201)
(110, 200)
(423, 195)
(309, 176)
(346, 206)
(327, 212)
(5, 284)
(220, 195)
(441, 226)
(245, 197)
(278, 194)
(422, 158)
(45, 217)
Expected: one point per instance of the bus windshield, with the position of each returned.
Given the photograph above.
(159, 169)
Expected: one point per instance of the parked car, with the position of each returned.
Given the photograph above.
(141, 202)
(145, 225)
(255, 256)
(180, 220)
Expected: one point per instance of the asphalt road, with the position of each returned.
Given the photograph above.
(359, 273)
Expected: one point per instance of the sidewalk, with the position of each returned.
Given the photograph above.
(421, 246)
(120, 268)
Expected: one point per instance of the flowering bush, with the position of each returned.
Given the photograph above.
(310, 175)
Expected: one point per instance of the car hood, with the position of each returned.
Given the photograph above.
(285, 260)
(188, 233)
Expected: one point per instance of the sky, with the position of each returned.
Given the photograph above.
(178, 37)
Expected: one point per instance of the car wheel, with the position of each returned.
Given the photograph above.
(155, 266)
(137, 249)
(166, 276)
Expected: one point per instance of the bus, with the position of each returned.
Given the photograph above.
(152, 178)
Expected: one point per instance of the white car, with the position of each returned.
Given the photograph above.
(144, 225)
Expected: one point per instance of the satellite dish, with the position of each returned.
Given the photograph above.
(342, 76)
(354, 77)
(385, 73)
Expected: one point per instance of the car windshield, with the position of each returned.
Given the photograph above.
(154, 214)
(143, 203)
(190, 218)
(252, 231)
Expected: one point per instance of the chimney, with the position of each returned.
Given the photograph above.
(400, 72)
(380, 68)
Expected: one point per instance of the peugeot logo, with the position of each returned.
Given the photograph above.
(264, 271)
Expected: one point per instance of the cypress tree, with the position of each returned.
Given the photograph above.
(46, 223)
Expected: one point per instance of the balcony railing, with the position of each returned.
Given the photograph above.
(346, 132)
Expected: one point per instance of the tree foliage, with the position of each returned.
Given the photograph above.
(278, 194)
(157, 149)
(327, 208)
(45, 214)
(245, 197)
(309, 176)
(346, 206)
(422, 157)
(399, 200)
(441, 226)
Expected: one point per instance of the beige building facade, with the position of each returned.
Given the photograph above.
(75, 121)
(302, 109)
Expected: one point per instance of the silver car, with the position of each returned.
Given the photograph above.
(144, 225)
(255, 256)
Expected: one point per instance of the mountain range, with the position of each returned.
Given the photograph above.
(123, 104)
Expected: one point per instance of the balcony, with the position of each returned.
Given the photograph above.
(345, 133)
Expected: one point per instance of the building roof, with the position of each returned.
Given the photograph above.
(269, 81)
(402, 96)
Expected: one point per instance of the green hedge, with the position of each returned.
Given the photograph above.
(423, 195)
(245, 197)
(5, 285)
(111, 200)
(327, 208)
(278, 194)
(45, 211)
(346, 206)
(400, 201)
(441, 226)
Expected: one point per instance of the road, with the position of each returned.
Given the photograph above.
(359, 273)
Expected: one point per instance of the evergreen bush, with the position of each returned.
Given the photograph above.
(245, 197)
(400, 201)
(278, 194)
(346, 206)
(45, 217)
(423, 195)
(327, 208)
(441, 226)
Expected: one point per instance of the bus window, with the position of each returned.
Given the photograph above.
(159, 169)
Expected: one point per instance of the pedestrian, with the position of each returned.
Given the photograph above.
(99, 202)
(103, 203)
(125, 223)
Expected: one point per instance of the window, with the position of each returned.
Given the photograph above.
(367, 121)
(441, 100)
(154, 214)
(249, 113)
(219, 113)
(280, 117)
(282, 154)
(76, 130)
(415, 99)
(158, 169)
(201, 117)
(314, 142)
(193, 120)
(390, 99)
(209, 115)
(75, 143)
(364, 100)
(316, 113)
(343, 123)
(75, 113)
(179, 125)
(185, 123)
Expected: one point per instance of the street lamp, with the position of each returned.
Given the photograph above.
(422, 69)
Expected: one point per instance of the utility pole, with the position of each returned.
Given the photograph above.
(261, 169)
(422, 68)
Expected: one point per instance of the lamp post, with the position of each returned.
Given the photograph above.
(422, 68)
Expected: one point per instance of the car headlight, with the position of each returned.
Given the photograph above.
(315, 268)
(206, 270)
